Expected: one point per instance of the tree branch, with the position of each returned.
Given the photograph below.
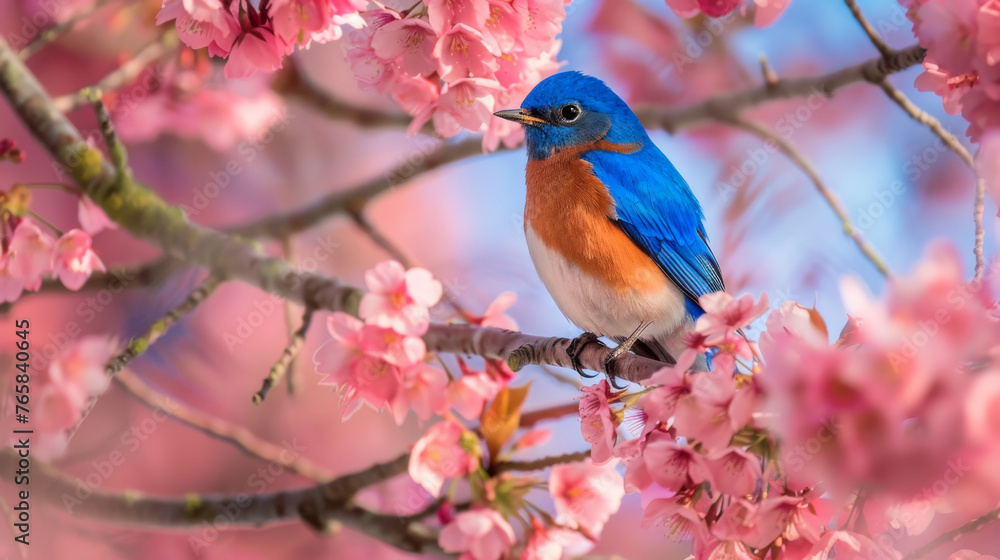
(318, 505)
(873, 36)
(239, 437)
(955, 534)
(56, 31)
(539, 464)
(121, 76)
(722, 107)
(831, 197)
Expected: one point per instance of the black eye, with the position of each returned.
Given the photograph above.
(570, 113)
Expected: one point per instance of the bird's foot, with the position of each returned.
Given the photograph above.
(576, 347)
(611, 365)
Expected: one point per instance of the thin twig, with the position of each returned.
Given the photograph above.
(237, 436)
(884, 49)
(831, 197)
(532, 417)
(137, 346)
(539, 464)
(319, 506)
(116, 150)
(56, 31)
(922, 117)
(955, 534)
(286, 249)
(291, 81)
(288, 355)
(977, 215)
(397, 253)
(120, 77)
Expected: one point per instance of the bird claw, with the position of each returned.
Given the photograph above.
(611, 368)
(576, 348)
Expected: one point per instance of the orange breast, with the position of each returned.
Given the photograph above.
(571, 211)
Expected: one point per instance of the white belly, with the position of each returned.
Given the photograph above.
(604, 311)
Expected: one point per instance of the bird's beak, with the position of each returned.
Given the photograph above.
(520, 116)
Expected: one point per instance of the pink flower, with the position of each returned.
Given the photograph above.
(717, 8)
(674, 466)
(253, 50)
(465, 103)
(346, 362)
(768, 11)
(440, 454)
(469, 393)
(680, 519)
(58, 409)
(92, 217)
(734, 471)
(445, 14)
(73, 260)
(424, 389)
(200, 23)
(787, 516)
(31, 255)
(966, 554)
(397, 349)
(533, 438)
(495, 316)
(597, 422)
(704, 414)
(724, 314)
(10, 285)
(551, 543)
(399, 299)
(479, 534)
(409, 42)
(845, 545)
(462, 52)
(586, 494)
(670, 384)
(81, 367)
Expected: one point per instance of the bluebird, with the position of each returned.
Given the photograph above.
(613, 230)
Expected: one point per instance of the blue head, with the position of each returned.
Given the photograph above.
(570, 109)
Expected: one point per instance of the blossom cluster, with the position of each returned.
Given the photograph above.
(766, 10)
(30, 251)
(380, 360)
(769, 460)
(454, 63)
(75, 376)
(254, 36)
(962, 64)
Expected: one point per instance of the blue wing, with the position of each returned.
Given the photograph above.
(656, 209)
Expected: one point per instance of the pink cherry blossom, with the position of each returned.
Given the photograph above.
(703, 414)
(399, 299)
(734, 471)
(724, 314)
(423, 388)
(465, 103)
(586, 494)
(495, 316)
(673, 465)
(445, 14)
(768, 11)
(73, 260)
(92, 217)
(479, 534)
(408, 42)
(253, 50)
(11, 286)
(462, 51)
(440, 455)
(533, 438)
(597, 421)
(670, 384)
(200, 22)
(845, 545)
(681, 521)
(31, 255)
(966, 554)
(397, 349)
(81, 367)
(345, 362)
(468, 394)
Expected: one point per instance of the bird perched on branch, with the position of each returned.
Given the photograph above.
(614, 231)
